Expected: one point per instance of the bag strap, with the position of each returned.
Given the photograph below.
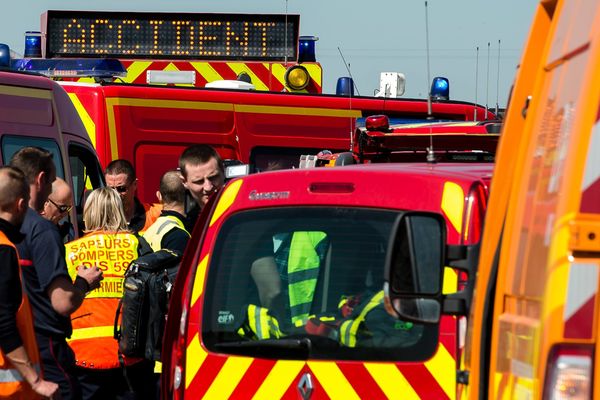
(117, 330)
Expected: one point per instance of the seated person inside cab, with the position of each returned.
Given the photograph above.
(308, 276)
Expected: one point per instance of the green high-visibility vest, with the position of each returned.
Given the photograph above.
(303, 271)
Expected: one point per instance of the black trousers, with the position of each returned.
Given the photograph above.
(101, 384)
(58, 362)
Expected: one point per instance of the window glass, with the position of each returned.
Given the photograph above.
(86, 174)
(280, 277)
(12, 144)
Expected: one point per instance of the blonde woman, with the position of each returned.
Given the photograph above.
(110, 246)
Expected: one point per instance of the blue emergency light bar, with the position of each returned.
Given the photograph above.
(71, 68)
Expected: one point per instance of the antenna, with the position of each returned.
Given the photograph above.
(286, 33)
(347, 65)
(428, 72)
(498, 80)
(487, 85)
(476, 79)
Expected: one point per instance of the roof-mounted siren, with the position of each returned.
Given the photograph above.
(377, 123)
(33, 44)
(440, 88)
(306, 51)
(4, 56)
(391, 84)
(345, 86)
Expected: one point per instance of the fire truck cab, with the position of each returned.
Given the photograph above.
(35, 111)
(240, 323)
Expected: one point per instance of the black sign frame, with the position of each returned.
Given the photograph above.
(199, 36)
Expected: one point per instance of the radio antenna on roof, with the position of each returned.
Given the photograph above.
(429, 112)
(498, 80)
(487, 85)
(347, 65)
(286, 33)
(476, 79)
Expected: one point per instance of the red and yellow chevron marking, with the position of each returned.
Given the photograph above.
(265, 76)
(211, 376)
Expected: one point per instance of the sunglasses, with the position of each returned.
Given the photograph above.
(63, 208)
(121, 188)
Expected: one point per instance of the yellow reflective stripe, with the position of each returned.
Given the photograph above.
(333, 380)
(442, 367)
(349, 328)
(158, 103)
(135, 69)
(199, 280)
(228, 378)
(315, 71)
(226, 200)
(112, 127)
(88, 122)
(453, 202)
(278, 72)
(242, 67)
(450, 281)
(282, 375)
(258, 320)
(194, 358)
(391, 381)
(207, 71)
(315, 112)
(93, 332)
(157, 367)
(26, 92)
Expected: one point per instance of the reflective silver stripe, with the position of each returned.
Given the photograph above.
(12, 375)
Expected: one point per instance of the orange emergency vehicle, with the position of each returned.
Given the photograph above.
(35, 111)
(138, 110)
(533, 319)
(225, 338)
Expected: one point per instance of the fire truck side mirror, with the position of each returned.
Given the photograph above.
(414, 267)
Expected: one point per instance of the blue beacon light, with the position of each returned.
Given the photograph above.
(33, 44)
(306, 51)
(440, 88)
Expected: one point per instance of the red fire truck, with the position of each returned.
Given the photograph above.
(150, 122)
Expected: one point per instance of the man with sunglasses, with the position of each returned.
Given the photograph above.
(58, 206)
(120, 175)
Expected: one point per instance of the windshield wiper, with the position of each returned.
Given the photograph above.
(270, 348)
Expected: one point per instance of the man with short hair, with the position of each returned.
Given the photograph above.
(203, 174)
(58, 205)
(52, 293)
(168, 231)
(120, 175)
(19, 356)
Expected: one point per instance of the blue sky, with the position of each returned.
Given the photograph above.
(374, 36)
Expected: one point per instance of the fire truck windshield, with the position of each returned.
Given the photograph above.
(307, 282)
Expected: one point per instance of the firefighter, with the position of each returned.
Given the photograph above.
(111, 246)
(168, 231)
(203, 174)
(120, 175)
(20, 371)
